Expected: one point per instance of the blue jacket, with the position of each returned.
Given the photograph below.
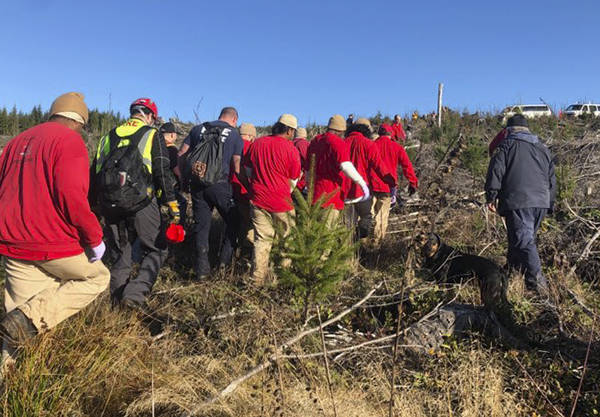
(521, 173)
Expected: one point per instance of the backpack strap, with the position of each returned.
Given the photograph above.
(137, 141)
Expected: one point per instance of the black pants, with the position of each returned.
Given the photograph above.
(147, 227)
(522, 226)
(358, 215)
(204, 200)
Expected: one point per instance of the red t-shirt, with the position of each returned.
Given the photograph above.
(239, 191)
(44, 183)
(392, 155)
(365, 156)
(274, 162)
(330, 151)
(302, 145)
(399, 133)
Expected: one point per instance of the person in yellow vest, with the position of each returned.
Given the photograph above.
(131, 175)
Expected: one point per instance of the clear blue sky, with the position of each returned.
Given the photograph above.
(312, 58)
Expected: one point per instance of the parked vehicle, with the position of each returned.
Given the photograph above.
(576, 110)
(528, 110)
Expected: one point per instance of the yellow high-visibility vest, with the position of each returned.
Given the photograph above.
(125, 132)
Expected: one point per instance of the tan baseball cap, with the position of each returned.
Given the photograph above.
(301, 133)
(337, 122)
(247, 129)
(71, 106)
(288, 120)
(363, 121)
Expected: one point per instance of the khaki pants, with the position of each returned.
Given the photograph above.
(48, 292)
(264, 233)
(332, 217)
(381, 213)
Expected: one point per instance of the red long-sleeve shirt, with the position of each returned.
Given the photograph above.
(239, 191)
(44, 181)
(366, 158)
(399, 133)
(392, 155)
(329, 151)
(302, 145)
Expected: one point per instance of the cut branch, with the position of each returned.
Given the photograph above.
(233, 385)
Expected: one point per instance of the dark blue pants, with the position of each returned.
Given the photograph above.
(147, 228)
(204, 200)
(522, 226)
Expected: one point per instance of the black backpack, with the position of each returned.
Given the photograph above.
(204, 162)
(123, 179)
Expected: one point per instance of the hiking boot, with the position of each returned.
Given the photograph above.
(202, 264)
(16, 328)
(539, 289)
(135, 306)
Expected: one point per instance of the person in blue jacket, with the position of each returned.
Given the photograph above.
(521, 187)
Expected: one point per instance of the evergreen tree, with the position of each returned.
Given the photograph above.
(4, 122)
(14, 122)
(320, 251)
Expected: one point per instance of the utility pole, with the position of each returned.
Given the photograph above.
(439, 108)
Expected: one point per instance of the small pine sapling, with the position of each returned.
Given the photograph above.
(320, 250)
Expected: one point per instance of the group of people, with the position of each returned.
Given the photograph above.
(52, 200)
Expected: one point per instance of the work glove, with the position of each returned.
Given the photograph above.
(393, 193)
(171, 209)
(412, 189)
(97, 252)
(366, 192)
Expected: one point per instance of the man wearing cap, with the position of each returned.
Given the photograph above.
(521, 187)
(301, 143)
(241, 196)
(384, 194)
(218, 195)
(143, 222)
(275, 168)
(332, 164)
(365, 156)
(51, 239)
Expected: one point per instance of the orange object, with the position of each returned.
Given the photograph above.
(175, 233)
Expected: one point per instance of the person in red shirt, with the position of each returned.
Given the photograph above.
(496, 141)
(384, 193)
(51, 239)
(331, 156)
(365, 156)
(301, 143)
(398, 134)
(275, 169)
(241, 197)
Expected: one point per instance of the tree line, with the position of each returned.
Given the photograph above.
(14, 121)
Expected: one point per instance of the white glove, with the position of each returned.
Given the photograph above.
(393, 193)
(366, 192)
(97, 252)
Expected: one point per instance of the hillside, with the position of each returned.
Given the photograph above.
(453, 358)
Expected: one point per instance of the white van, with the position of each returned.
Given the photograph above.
(528, 110)
(575, 110)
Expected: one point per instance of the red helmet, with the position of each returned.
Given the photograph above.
(147, 103)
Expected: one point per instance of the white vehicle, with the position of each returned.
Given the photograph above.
(575, 110)
(528, 110)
